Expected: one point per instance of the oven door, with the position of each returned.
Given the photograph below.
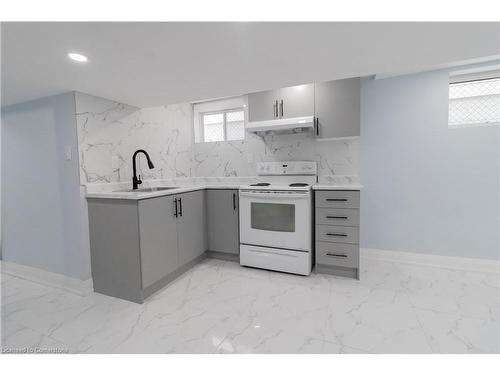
(280, 219)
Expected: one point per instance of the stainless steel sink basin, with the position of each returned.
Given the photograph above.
(150, 189)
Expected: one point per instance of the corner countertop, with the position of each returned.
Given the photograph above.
(134, 195)
(185, 185)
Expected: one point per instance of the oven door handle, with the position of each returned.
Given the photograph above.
(273, 195)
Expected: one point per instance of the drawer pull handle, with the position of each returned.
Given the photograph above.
(336, 199)
(336, 255)
(337, 234)
(337, 217)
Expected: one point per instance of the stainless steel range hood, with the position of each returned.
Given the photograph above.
(279, 125)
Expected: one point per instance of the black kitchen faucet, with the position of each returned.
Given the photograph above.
(136, 181)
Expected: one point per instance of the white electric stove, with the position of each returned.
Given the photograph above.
(276, 217)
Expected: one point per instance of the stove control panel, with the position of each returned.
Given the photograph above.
(292, 168)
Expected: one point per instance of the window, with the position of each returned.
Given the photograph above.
(474, 100)
(220, 120)
(223, 126)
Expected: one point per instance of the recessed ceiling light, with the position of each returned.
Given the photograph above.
(77, 57)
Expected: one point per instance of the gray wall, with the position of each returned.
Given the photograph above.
(41, 216)
(428, 189)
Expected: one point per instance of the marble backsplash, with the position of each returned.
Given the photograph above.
(238, 158)
(109, 133)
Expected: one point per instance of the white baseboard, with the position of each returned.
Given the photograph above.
(439, 261)
(66, 283)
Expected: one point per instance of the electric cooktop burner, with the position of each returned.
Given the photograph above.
(261, 184)
(298, 184)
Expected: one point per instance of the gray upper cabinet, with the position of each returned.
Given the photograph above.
(222, 221)
(296, 101)
(191, 229)
(337, 108)
(262, 106)
(158, 239)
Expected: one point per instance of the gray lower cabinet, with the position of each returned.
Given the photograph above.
(139, 246)
(337, 232)
(191, 229)
(158, 239)
(222, 221)
(335, 254)
(337, 108)
(338, 216)
(114, 248)
(337, 199)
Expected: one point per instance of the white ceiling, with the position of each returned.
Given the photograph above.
(149, 64)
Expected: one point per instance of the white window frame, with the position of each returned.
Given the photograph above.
(473, 75)
(224, 123)
(217, 106)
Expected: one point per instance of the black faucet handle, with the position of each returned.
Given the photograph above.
(139, 181)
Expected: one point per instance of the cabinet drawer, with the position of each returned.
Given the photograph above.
(336, 254)
(338, 216)
(336, 233)
(337, 199)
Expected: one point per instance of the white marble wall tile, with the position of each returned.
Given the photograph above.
(108, 129)
(238, 158)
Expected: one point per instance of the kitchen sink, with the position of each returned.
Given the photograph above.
(150, 189)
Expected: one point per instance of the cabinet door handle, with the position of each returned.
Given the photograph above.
(336, 255)
(316, 122)
(337, 234)
(336, 199)
(180, 206)
(275, 108)
(282, 105)
(175, 207)
(234, 201)
(337, 217)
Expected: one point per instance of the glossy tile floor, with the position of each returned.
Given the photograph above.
(220, 307)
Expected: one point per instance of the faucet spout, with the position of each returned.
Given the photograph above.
(136, 181)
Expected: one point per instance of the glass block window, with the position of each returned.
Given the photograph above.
(474, 103)
(223, 126)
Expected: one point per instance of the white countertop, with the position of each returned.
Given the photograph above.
(135, 195)
(347, 186)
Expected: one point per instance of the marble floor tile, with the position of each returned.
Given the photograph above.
(18, 339)
(455, 333)
(220, 307)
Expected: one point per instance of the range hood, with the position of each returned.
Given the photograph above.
(283, 124)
